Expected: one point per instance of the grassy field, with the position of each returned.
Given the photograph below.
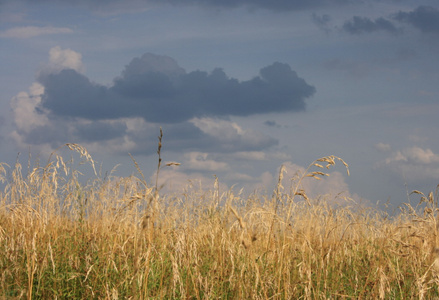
(120, 238)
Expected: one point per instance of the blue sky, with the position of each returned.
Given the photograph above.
(239, 87)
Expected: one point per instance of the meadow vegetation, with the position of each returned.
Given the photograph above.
(120, 238)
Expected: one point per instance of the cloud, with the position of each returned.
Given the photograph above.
(151, 63)
(414, 155)
(34, 127)
(133, 135)
(102, 123)
(155, 88)
(33, 31)
(231, 137)
(23, 106)
(199, 161)
(413, 164)
(100, 130)
(359, 25)
(383, 147)
(424, 18)
(60, 59)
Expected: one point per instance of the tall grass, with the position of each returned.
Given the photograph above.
(119, 238)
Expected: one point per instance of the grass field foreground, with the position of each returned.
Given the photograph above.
(119, 238)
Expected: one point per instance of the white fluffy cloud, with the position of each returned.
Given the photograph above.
(65, 59)
(413, 164)
(413, 155)
(23, 107)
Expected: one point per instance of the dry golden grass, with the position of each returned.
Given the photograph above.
(118, 238)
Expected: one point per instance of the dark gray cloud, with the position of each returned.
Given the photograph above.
(61, 131)
(158, 90)
(100, 131)
(359, 25)
(424, 18)
(54, 134)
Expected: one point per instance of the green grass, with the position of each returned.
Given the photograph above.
(118, 238)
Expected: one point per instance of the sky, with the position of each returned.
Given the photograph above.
(240, 88)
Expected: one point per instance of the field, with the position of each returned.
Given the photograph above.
(122, 238)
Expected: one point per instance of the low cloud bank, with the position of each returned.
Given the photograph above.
(193, 108)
